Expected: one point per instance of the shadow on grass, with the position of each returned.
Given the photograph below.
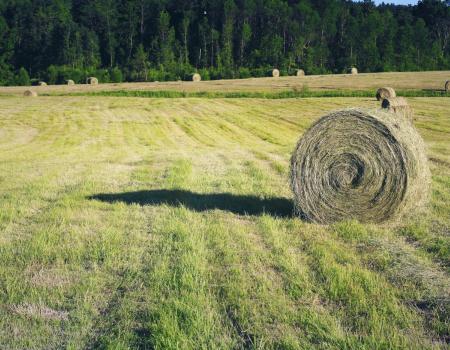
(242, 205)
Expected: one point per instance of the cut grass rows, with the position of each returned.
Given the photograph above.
(168, 225)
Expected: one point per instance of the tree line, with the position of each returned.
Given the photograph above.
(148, 40)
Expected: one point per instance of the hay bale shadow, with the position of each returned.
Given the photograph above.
(237, 204)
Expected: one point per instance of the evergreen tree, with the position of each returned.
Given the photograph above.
(6, 50)
(22, 78)
(139, 65)
(165, 41)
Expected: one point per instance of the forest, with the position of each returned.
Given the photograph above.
(160, 40)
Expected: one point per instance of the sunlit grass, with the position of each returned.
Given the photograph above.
(156, 223)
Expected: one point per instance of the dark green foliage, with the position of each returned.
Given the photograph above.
(142, 40)
(22, 78)
(244, 72)
(52, 74)
(75, 74)
(116, 75)
(102, 75)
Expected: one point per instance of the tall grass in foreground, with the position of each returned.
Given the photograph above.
(294, 93)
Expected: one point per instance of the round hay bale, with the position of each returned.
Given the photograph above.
(447, 86)
(353, 71)
(358, 164)
(196, 77)
(300, 72)
(30, 93)
(275, 73)
(70, 82)
(396, 105)
(92, 81)
(42, 83)
(385, 92)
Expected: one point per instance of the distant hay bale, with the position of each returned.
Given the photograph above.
(353, 71)
(397, 105)
(357, 164)
(42, 83)
(385, 92)
(70, 82)
(300, 72)
(196, 77)
(92, 81)
(30, 93)
(447, 85)
(275, 73)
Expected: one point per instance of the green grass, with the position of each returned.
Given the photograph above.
(128, 223)
(300, 93)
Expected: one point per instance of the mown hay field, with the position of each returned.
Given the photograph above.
(434, 81)
(167, 224)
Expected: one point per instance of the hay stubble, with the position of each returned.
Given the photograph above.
(160, 273)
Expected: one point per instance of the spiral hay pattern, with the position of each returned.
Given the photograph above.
(300, 72)
(196, 77)
(357, 164)
(447, 86)
(275, 73)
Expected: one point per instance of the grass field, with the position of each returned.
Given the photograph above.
(167, 223)
(428, 81)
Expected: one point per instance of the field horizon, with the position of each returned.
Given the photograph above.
(428, 81)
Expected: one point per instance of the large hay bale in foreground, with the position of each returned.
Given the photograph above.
(30, 93)
(300, 72)
(92, 81)
(196, 77)
(42, 83)
(275, 73)
(70, 82)
(397, 105)
(358, 164)
(447, 85)
(353, 71)
(385, 92)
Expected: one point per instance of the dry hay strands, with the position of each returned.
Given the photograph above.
(358, 164)
(196, 77)
(30, 93)
(447, 86)
(300, 72)
(385, 92)
(353, 71)
(42, 83)
(70, 82)
(92, 81)
(275, 73)
(397, 105)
